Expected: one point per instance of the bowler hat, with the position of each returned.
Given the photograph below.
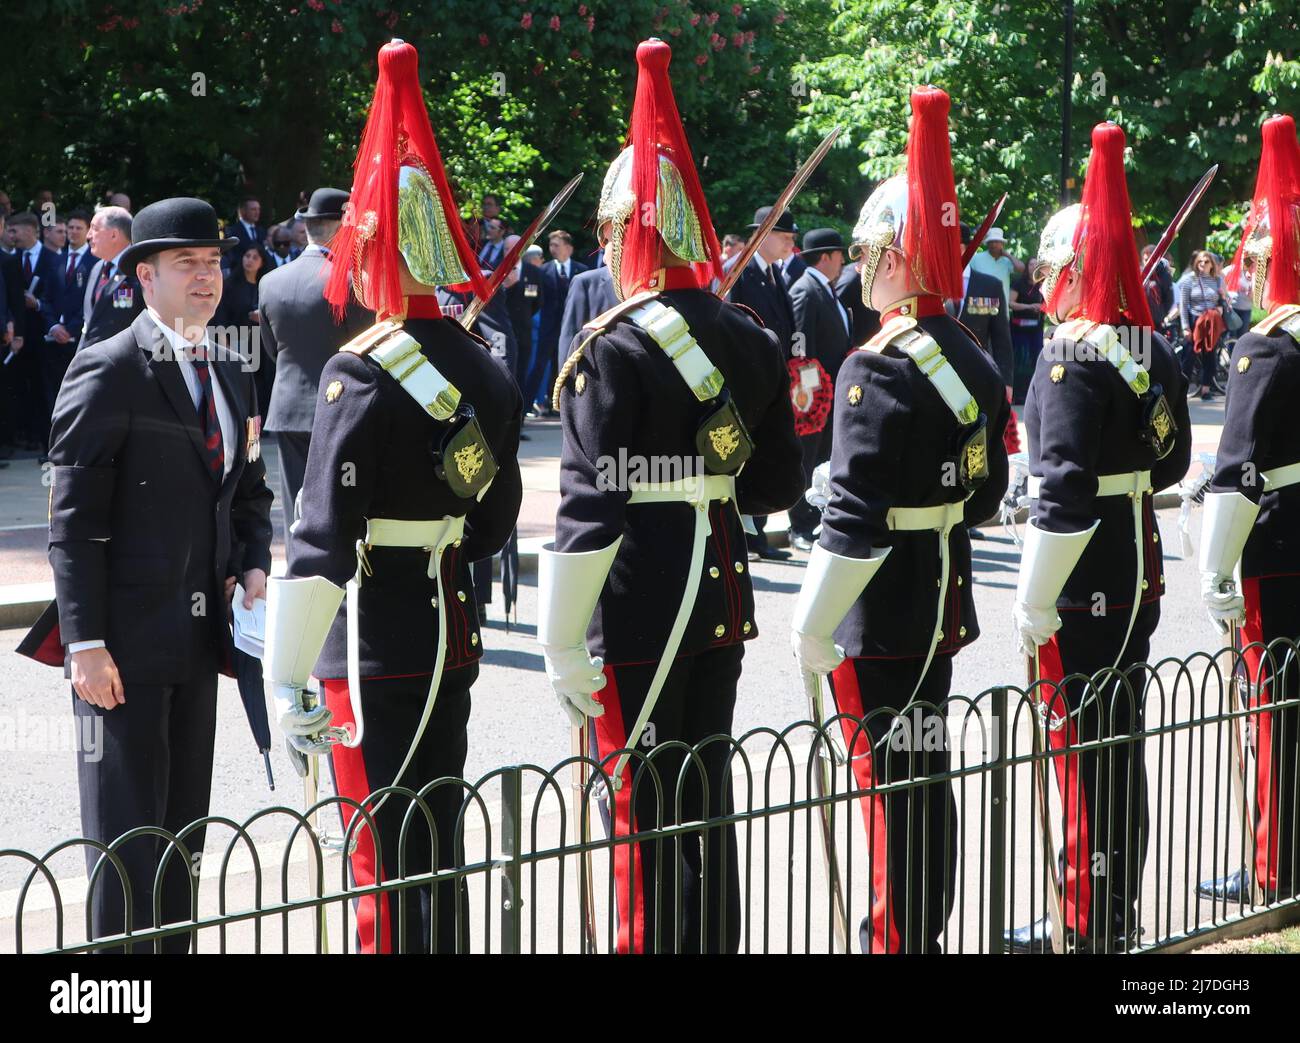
(326, 203)
(784, 223)
(820, 241)
(170, 224)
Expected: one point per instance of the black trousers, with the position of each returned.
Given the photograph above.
(911, 833)
(392, 708)
(1272, 613)
(804, 517)
(697, 701)
(1103, 792)
(293, 446)
(149, 764)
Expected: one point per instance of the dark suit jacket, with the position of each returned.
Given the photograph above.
(237, 229)
(49, 294)
(792, 269)
(119, 304)
(771, 303)
(142, 536)
(555, 293)
(984, 312)
(298, 335)
(866, 320)
(12, 272)
(590, 294)
(74, 292)
(819, 317)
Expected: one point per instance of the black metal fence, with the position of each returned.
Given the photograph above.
(1098, 804)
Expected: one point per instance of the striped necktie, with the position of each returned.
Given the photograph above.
(214, 451)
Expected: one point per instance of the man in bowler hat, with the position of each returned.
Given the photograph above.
(159, 504)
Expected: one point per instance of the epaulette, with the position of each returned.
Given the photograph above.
(903, 333)
(608, 317)
(399, 355)
(1106, 342)
(884, 336)
(1285, 315)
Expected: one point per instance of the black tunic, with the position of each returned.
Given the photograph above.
(893, 447)
(1261, 433)
(1084, 421)
(634, 403)
(373, 453)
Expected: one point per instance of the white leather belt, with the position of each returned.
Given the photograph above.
(1136, 482)
(1281, 477)
(911, 519)
(697, 490)
(432, 535)
(399, 532)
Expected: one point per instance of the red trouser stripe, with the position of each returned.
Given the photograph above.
(352, 782)
(848, 699)
(611, 735)
(1266, 811)
(1077, 885)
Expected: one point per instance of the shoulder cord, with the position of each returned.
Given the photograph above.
(569, 364)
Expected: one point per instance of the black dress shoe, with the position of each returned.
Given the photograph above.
(975, 534)
(801, 542)
(1037, 938)
(1235, 887)
(1032, 938)
(769, 553)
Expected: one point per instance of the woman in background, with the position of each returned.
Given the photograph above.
(1201, 298)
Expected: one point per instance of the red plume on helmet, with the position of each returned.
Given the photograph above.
(397, 131)
(932, 231)
(1277, 195)
(1112, 278)
(656, 128)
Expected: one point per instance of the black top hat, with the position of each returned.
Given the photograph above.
(325, 202)
(170, 224)
(820, 241)
(784, 223)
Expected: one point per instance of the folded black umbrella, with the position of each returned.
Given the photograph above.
(510, 575)
(248, 675)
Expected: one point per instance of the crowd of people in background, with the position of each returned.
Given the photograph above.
(60, 292)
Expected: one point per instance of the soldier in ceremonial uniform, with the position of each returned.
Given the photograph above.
(917, 454)
(1252, 514)
(412, 475)
(1107, 421)
(646, 600)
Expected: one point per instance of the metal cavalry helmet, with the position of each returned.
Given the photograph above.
(1272, 235)
(651, 194)
(916, 212)
(1095, 239)
(402, 208)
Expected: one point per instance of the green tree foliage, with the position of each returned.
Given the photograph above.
(1189, 81)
